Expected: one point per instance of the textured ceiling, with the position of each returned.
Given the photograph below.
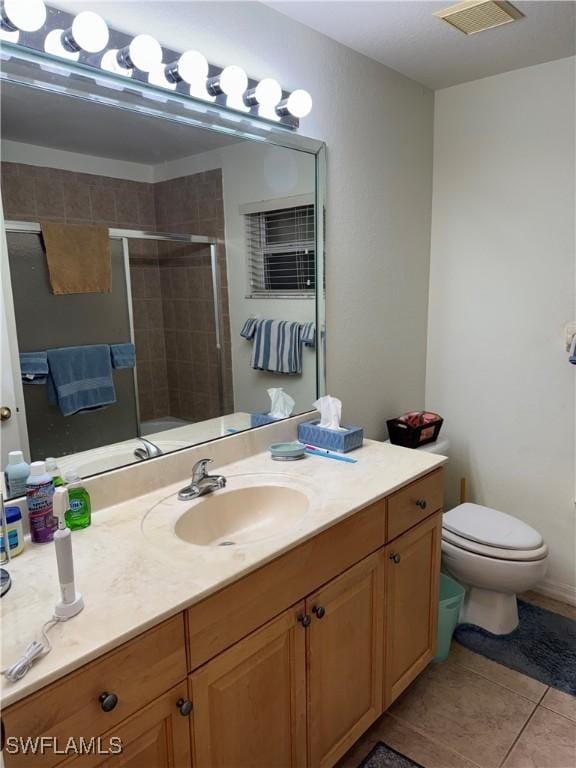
(408, 38)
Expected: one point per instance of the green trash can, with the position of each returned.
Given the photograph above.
(451, 597)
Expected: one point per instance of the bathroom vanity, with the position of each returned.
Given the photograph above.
(289, 655)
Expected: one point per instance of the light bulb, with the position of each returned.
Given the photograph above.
(299, 103)
(109, 62)
(233, 81)
(268, 92)
(25, 15)
(9, 36)
(158, 77)
(144, 53)
(54, 46)
(88, 32)
(192, 66)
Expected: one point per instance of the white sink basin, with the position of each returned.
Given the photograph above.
(241, 516)
(252, 508)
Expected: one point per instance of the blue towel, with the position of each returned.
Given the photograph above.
(80, 378)
(308, 334)
(34, 367)
(277, 347)
(572, 355)
(123, 355)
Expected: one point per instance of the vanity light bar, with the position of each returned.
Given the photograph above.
(32, 24)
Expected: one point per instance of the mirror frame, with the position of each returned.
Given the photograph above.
(33, 69)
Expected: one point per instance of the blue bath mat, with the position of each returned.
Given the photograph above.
(542, 646)
(383, 756)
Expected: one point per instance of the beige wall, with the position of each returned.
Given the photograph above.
(501, 290)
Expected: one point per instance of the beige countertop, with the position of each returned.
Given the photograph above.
(133, 576)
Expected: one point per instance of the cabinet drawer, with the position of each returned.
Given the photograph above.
(136, 673)
(408, 506)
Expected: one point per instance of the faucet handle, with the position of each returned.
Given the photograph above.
(199, 470)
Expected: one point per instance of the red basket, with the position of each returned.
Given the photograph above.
(409, 435)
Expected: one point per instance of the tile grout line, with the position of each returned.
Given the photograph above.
(520, 732)
(506, 687)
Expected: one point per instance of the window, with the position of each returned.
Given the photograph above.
(281, 255)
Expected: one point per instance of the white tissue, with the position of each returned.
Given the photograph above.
(330, 412)
(281, 404)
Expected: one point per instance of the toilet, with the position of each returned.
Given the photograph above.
(495, 556)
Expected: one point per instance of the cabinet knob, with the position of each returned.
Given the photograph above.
(184, 707)
(319, 611)
(395, 557)
(304, 619)
(421, 503)
(108, 701)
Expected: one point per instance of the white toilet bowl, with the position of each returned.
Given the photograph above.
(495, 556)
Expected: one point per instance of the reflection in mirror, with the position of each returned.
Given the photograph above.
(163, 279)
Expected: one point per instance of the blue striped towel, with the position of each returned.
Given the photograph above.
(123, 355)
(249, 328)
(34, 367)
(308, 334)
(80, 378)
(277, 346)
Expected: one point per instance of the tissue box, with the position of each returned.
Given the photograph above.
(260, 419)
(333, 440)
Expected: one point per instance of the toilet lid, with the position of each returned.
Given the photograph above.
(494, 553)
(490, 527)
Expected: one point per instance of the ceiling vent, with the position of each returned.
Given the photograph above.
(476, 16)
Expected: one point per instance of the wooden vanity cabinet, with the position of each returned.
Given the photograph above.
(155, 737)
(345, 659)
(412, 564)
(285, 668)
(250, 701)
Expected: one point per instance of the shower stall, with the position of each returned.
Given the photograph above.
(166, 299)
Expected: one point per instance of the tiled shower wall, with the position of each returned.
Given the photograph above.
(181, 384)
(194, 204)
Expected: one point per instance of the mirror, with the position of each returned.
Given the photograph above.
(162, 279)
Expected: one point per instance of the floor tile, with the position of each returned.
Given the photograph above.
(549, 604)
(465, 712)
(548, 741)
(408, 741)
(560, 702)
(498, 673)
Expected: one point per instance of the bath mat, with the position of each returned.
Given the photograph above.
(383, 756)
(542, 646)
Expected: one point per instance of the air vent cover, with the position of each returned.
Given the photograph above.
(476, 16)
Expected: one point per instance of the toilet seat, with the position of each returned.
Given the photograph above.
(492, 534)
(491, 528)
(495, 553)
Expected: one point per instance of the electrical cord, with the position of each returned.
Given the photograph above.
(34, 652)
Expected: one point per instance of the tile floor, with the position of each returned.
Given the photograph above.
(471, 712)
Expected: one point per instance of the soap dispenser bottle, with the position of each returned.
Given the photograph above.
(71, 602)
(79, 514)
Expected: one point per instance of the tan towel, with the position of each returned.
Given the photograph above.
(78, 257)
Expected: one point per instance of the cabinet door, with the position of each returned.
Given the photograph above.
(158, 736)
(345, 651)
(412, 576)
(250, 701)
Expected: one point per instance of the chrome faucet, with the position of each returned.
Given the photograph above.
(202, 483)
(149, 451)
